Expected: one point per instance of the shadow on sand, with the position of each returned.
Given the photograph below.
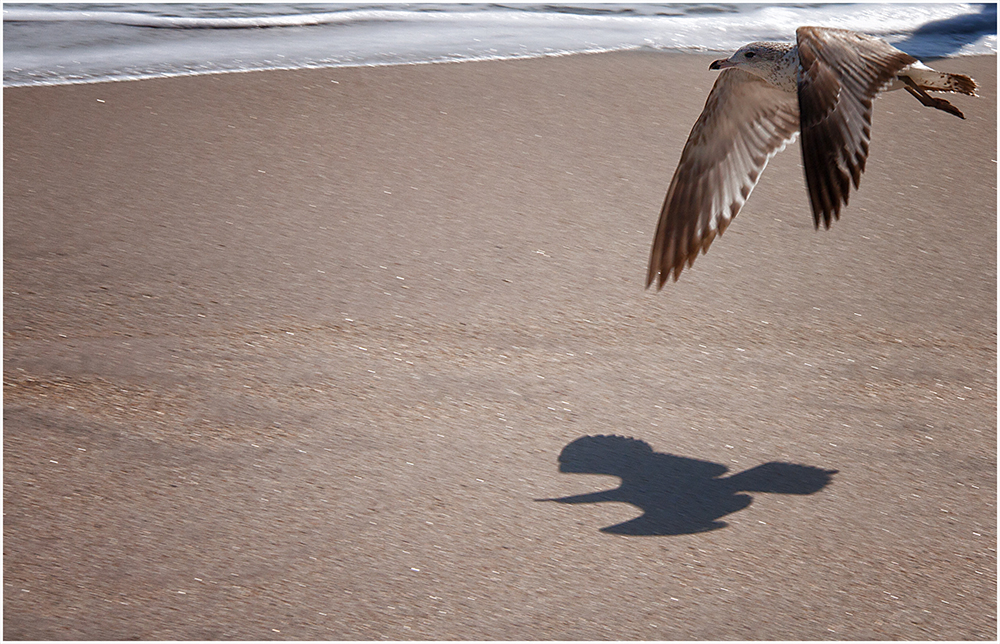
(678, 495)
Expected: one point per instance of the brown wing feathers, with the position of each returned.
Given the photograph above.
(841, 72)
(744, 122)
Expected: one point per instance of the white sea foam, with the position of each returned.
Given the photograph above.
(45, 44)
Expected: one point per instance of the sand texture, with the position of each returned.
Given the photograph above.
(293, 355)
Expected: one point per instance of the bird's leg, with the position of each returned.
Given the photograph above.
(930, 101)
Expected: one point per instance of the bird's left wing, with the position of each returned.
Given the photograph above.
(840, 74)
(745, 122)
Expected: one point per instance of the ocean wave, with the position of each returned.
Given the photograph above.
(154, 21)
(53, 44)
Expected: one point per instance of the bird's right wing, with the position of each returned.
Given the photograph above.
(745, 122)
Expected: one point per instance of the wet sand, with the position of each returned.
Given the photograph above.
(291, 355)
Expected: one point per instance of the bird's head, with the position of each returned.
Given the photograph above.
(755, 57)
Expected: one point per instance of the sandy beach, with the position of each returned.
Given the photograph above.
(294, 355)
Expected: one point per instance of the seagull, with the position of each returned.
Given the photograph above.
(821, 86)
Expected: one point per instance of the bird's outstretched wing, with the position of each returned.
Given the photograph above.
(745, 122)
(840, 74)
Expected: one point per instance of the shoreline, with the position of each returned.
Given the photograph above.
(155, 76)
(624, 50)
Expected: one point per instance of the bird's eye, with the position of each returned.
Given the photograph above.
(749, 54)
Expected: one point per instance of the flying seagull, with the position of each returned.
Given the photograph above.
(822, 86)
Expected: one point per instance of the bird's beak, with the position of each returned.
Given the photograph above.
(722, 63)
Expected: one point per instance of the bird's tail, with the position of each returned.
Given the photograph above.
(928, 79)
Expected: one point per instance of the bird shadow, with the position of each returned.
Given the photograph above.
(942, 38)
(678, 495)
